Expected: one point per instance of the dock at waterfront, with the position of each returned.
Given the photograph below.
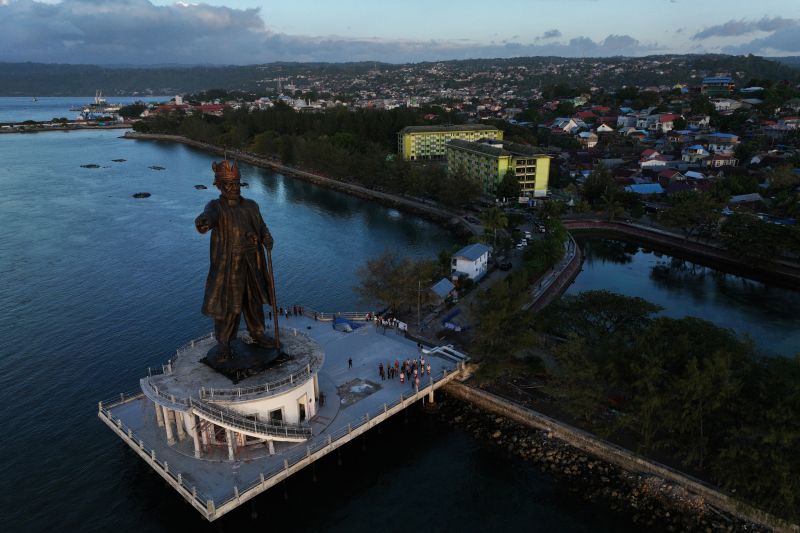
(215, 486)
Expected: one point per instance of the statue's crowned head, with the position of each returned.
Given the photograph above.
(225, 171)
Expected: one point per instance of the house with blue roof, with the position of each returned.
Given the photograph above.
(471, 261)
(442, 289)
(645, 189)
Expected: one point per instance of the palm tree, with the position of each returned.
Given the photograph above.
(611, 204)
(493, 219)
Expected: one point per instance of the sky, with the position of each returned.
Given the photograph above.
(150, 32)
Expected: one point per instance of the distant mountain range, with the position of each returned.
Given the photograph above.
(792, 61)
(38, 79)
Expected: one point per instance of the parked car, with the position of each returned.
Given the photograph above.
(505, 266)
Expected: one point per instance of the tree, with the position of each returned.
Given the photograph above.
(747, 236)
(508, 186)
(784, 178)
(597, 183)
(692, 212)
(698, 395)
(458, 188)
(503, 325)
(611, 203)
(576, 380)
(132, 110)
(597, 315)
(494, 219)
(395, 282)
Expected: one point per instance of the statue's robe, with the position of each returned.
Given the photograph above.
(238, 264)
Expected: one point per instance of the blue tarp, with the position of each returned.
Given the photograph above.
(343, 324)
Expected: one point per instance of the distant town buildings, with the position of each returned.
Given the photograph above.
(416, 143)
(717, 86)
(488, 161)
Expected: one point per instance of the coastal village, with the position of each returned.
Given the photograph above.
(708, 166)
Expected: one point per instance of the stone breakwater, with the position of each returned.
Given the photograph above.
(649, 501)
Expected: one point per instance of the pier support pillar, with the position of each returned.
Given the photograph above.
(159, 416)
(179, 424)
(271, 446)
(195, 435)
(204, 437)
(430, 396)
(229, 439)
(168, 426)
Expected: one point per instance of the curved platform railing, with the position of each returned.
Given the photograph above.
(266, 389)
(233, 420)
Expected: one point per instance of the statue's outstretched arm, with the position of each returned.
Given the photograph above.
(207, 219)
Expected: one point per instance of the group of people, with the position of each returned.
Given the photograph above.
(295, 310)
(410, 370)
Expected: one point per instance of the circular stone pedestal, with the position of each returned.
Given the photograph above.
(190, 377)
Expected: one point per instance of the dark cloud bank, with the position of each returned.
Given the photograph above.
(138, 32)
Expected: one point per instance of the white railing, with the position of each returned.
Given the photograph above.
(271, 388)
(203, 504)
(273, 428)
(192, 343)
(153, 392)
(329, 317)
(333, 437)
(207, 506)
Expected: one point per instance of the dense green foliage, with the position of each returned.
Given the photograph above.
(748, 236)
(354, 146)
(683, 386)
(693, 213)
(397, 283)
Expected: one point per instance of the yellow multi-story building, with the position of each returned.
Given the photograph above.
(415, 143)
(488, 161)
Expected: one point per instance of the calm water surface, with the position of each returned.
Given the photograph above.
(769, 315)
(19, 109)
(97, 286)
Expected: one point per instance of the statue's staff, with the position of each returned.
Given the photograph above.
(274, 298)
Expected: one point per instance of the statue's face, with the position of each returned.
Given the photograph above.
(230, 189)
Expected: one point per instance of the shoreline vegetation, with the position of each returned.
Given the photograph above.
(623, 484)
(430, 211)
(37, 127)
(654, 495)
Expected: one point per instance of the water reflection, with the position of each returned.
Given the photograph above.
(769, 314)
(609, 251)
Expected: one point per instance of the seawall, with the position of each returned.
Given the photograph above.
(616, 455)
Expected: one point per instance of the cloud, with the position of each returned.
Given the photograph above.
(780, 42)
(139, 32)
(781, 39)
(736, 28)
(549, 34)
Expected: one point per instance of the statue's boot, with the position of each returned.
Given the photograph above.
(262, 340)
(224, 351)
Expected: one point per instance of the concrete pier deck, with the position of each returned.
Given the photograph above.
(356, 399)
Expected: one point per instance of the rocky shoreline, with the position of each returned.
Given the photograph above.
(649, 501)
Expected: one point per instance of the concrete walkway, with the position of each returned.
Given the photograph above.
(213, 478)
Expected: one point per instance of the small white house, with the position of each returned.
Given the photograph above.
(472, 260)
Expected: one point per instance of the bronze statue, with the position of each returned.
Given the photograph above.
(240, 279)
